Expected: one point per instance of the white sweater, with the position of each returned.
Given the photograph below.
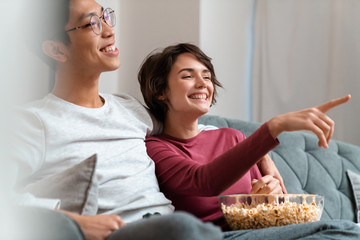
(59, 134)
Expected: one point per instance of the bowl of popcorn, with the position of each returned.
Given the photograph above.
(254, 211)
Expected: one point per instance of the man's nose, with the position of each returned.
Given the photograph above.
(107, 30)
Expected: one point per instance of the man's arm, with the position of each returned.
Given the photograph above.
(97, 227)
(25, 155)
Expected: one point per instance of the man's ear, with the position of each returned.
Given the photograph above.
(56, 50)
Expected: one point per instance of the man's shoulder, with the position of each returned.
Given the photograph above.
(122, 97)
(129, 106)
(34, 107)
(34, 104)
(30, 115)
(127, 103)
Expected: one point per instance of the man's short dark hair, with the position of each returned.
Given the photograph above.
(45, 20)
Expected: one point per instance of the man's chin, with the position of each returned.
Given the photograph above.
(112, 67)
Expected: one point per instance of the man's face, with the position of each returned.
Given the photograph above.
(87, 51)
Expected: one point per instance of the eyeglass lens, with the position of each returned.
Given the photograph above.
(96, 24)
(109, 18)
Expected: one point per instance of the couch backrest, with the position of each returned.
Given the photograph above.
(306, 168)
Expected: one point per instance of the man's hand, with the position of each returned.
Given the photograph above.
(312, 119)
(96, 227)
(267, 167)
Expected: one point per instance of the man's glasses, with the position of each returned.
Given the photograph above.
(95, 21)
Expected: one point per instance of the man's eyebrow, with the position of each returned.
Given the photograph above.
(192, 70)
(91, 14)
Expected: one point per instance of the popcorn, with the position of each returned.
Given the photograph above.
(253, 216)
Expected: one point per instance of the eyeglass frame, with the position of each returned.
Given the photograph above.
(110, 10)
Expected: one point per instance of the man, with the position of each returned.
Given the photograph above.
(76, 133)
(74, 122)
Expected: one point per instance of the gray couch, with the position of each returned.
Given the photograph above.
(306, 168)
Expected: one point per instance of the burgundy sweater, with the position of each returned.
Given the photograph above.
(193, 172)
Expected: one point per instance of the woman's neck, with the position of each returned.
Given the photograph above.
(181, 127)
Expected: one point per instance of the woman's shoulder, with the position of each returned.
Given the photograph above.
(224, 132)
(219, 133)
(157, 140)
(156, 137)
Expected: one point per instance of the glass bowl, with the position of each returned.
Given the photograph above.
(254, 211)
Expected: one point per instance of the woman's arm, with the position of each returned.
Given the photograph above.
(312, 119)
(267, 167)
(181, 175)
(266, 185)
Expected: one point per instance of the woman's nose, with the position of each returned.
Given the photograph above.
(200, 82)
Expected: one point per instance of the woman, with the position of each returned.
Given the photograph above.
(195, 167)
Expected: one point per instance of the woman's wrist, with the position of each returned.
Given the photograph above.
(274, 126)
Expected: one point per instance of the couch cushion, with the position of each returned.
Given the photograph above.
(306, 168)
(355, 184)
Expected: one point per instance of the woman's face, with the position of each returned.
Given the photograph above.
(190, 89)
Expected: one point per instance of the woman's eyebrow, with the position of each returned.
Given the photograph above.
(186, 69)
(192, 70)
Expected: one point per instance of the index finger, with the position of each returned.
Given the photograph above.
(333, 103)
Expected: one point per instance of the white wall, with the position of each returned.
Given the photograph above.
(109, 82)
(147, 25)
(24, 77)
(224, 36)
(143, 26)
(218, 27)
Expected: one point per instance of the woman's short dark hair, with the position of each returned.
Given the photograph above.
(154, 72)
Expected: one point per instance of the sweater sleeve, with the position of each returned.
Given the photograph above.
(26, 155)
(177, 174)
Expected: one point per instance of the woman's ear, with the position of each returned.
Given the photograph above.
(56, 50)
(162, 98)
